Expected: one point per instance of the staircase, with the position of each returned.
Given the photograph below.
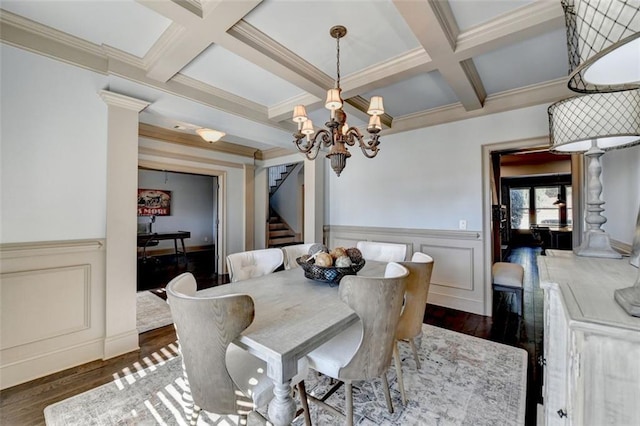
(280, 234)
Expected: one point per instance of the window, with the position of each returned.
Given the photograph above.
(547, 213)
(540, 205)
(519, 206)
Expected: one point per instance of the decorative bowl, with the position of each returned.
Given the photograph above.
(331, 274)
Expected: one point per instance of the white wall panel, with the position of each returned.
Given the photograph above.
(52, 307)
(61, 295)
(457, 280)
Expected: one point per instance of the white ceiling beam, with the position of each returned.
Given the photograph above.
(197, 36)
(433, 25)
(525, 22)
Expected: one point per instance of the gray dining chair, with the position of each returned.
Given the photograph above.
(221, 377)
(254, 263)
(415, 302)
(292, 252)
(364, 350)
(382, 252)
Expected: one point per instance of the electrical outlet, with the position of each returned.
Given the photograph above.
(462, 224)
(206, 239)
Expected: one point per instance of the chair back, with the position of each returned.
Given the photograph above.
(291, 253)
(255, 263)
(383, 252)
(205, 326)
(418, 281)
(378, 302)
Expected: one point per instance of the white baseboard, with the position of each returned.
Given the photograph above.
(32, 368)
(121, 344)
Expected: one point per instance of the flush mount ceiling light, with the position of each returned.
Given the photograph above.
(603, 40)
(595, 123)
(339, 134)
(210, 135)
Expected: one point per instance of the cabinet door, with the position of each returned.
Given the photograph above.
(607, 380)
(555, 378)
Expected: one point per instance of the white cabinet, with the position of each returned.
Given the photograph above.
(591, 345)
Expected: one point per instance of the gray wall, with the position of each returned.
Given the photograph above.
(192, 205)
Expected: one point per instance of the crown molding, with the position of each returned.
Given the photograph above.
(252, 37)
(19, 22)
(166, 135)
(526, 21)
(219, 93)
(269, 154)
(170, 36)
(185, 157)
(543, 93)
(122, 101)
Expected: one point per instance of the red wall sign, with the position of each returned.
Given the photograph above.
(154, 202)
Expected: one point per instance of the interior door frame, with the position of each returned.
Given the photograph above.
(221, 212)
(577, 183)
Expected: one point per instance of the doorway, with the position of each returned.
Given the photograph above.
(187, 234)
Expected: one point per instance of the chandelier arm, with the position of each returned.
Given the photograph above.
(312, 147)
(369, 148)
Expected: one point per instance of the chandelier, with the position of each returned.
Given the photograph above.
(339, 134)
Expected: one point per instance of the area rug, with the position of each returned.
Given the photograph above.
(152, 312)
(463, 381)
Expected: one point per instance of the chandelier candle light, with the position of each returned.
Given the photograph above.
(339, 134)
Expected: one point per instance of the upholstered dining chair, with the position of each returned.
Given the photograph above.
(291, 253)
(215, 369)
(383, 252)
(415, 301)
(364, 350)
(254, 263)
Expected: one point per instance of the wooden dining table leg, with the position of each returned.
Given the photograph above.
(282, 408)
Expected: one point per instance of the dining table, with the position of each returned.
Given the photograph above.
(293, 316)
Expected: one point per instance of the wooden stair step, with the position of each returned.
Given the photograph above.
(281, 233)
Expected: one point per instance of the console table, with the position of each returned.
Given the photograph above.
(591, 345)
(145, 239)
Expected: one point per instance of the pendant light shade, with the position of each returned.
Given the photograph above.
(613, 119)
(603, 41)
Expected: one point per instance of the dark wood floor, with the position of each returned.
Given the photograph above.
(24, 404)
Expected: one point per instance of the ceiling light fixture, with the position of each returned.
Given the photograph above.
(603, 39)
(595, 123)
(339, 134)
(210, 135)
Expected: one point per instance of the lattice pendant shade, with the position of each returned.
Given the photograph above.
(599, 28)
(611, 118)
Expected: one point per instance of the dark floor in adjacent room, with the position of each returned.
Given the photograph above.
(24, 404)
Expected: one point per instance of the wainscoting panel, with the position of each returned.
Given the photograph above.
(21, 317)
(52, 307)
(458, 274)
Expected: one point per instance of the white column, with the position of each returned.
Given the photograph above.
(314, 187)
(121, 335)
(249, 206)
(261, 213)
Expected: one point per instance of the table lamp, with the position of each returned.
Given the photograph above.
(592, 124)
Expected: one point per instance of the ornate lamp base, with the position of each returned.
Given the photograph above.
(596, 243)
(629, 298)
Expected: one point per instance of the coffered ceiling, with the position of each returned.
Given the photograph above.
(240, 66)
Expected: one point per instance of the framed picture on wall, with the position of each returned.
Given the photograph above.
(154, 202)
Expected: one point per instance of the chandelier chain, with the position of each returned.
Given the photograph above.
(338, 62)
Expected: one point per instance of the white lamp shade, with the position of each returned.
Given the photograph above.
(210, 135)
(299, 114)
(613, 119)
(374, 123)
(307, 128)
(334, 101)
(375, 106)
(603, 40)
